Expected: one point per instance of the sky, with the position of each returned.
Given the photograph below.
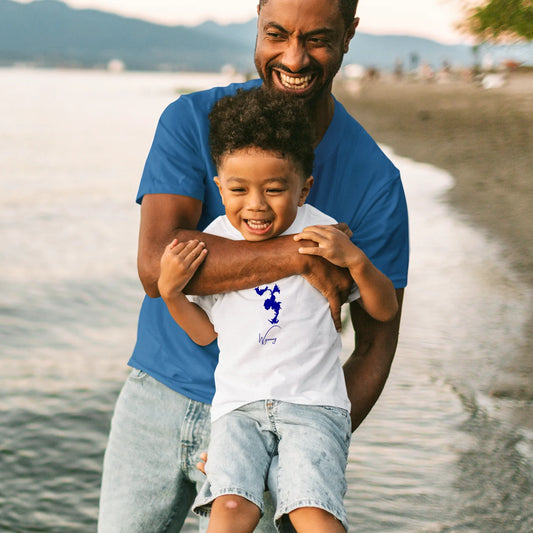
(423, 18)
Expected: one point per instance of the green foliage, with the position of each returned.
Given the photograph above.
(495, 20)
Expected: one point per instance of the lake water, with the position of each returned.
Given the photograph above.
(437, 454)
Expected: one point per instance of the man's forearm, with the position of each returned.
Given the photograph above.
(367, 369)
(235, 265)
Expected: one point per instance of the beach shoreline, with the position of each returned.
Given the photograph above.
(483, 138)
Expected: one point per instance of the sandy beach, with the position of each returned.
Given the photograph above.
(484, 139)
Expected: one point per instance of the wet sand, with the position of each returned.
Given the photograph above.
(484, 139)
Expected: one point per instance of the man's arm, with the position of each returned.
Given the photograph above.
(367, 369)
(229, 265)
(162, 215)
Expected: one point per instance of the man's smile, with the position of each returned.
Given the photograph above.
(294, 82)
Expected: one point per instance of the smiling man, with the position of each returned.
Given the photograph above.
(299, 49)
(161, 420)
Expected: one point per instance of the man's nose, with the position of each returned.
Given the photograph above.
(295, 57)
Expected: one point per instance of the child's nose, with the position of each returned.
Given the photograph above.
(256, 201)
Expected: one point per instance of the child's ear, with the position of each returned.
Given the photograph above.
(216, 179)
(306, 187)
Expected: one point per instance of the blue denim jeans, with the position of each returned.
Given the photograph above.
(150, 477)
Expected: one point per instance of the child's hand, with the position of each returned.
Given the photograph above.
(179, 262)
(333, 244)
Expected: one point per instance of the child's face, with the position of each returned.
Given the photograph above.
(261, 192)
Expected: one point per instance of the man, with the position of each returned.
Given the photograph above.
(161, 420)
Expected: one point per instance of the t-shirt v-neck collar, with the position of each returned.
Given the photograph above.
(332, 135)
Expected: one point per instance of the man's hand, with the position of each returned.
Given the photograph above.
(377, 294)
(333, 282)
(344, 228)
(201, 464)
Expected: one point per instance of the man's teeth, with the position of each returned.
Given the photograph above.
(291, 82)
(258, 224)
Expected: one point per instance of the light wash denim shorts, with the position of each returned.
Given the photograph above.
(312, 446)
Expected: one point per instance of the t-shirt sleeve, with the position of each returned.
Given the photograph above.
(176, 162)
(384, 236)
(205, 302)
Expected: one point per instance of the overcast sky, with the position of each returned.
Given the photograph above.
(425, 18)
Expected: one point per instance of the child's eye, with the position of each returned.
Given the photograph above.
(237, 189)
(275, 191)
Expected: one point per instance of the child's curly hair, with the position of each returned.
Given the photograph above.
(259, 118)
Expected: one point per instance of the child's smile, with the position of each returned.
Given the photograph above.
(258, 226)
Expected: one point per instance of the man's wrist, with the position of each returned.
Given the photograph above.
(304, 262)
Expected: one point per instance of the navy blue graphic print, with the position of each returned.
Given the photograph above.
(271, 302)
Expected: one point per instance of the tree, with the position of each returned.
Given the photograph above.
(496, 20)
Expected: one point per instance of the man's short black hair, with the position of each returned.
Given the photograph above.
(346, 7)
(268, 120)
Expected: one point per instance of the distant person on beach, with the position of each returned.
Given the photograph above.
(161, 421)
(280, 388)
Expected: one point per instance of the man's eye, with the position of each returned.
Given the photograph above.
(274, 35)
(317, 41)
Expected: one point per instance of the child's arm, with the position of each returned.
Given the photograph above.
(179, 262)
(378, 296)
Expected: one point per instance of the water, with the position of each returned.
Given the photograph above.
(439, 453)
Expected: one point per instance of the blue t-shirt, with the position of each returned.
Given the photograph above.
(354, 182)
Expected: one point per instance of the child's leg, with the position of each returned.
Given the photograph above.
(315, 520)
(237, 465)
(233, 514)
(313, 451)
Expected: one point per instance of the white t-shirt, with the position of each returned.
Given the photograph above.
(276, 341)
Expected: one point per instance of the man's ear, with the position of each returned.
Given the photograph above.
(349, 33)
(306, 187)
